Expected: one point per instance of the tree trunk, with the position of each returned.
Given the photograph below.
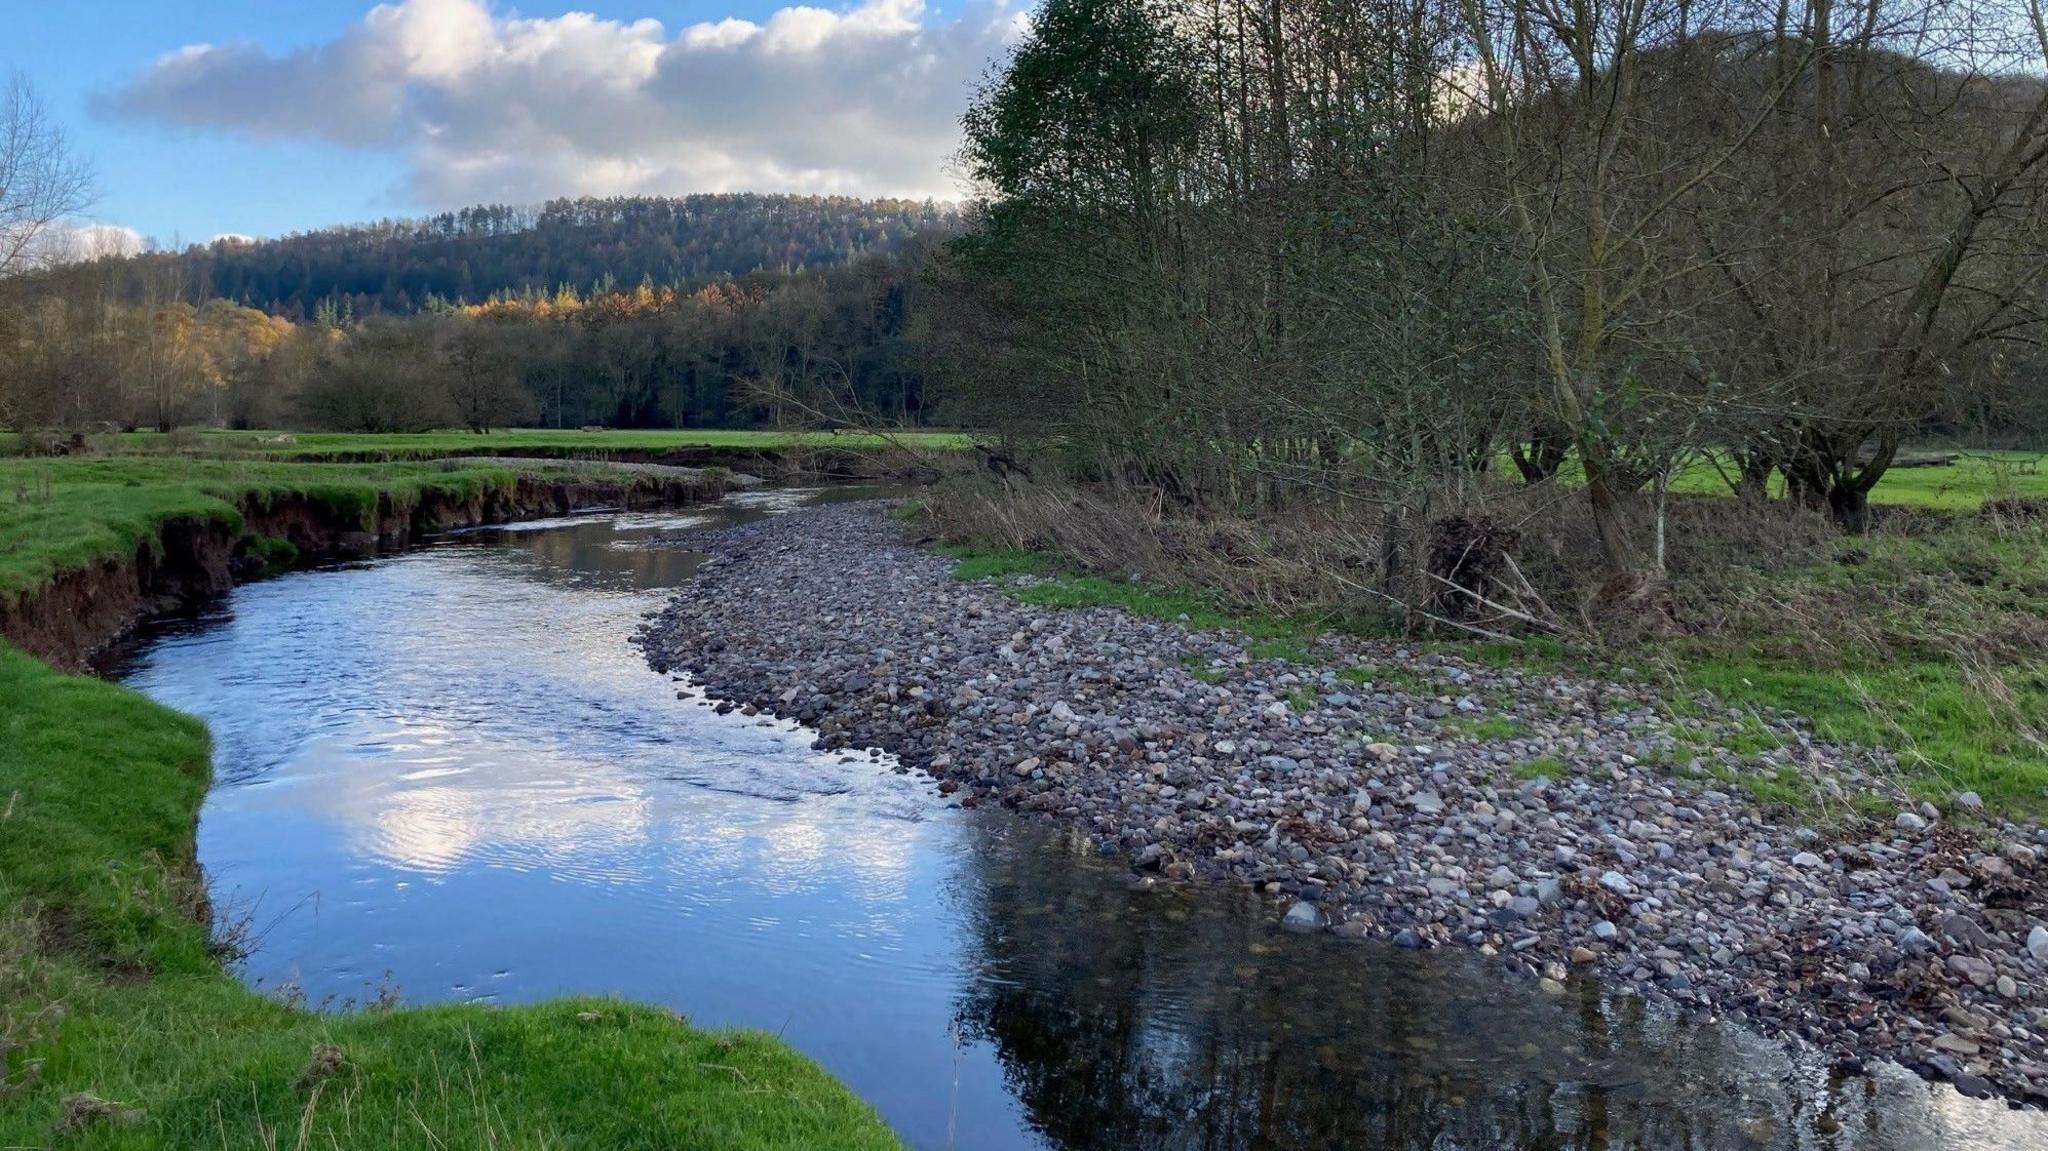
(1849, 503)
(1614, 541)
(1548, 445)
(1754, 485)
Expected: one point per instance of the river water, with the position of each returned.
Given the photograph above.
(447, 775)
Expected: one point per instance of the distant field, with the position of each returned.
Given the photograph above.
(286, 445)
(1975, 477)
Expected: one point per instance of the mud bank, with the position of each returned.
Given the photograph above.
(191, 559)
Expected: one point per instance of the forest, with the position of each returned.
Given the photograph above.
(698, 312)
(593, 245)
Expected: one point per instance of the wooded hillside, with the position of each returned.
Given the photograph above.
(467, 256)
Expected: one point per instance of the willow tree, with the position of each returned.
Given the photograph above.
(1881, 255)
(1596, 173)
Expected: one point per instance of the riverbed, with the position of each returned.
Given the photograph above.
(449, 775)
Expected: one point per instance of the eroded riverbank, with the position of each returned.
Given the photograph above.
(1365, 789)
(251, 525)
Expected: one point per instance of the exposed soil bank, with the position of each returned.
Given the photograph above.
(1557, 823)
(195, 558)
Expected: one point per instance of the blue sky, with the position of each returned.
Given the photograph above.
(298, 115)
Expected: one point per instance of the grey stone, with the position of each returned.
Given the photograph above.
(1914, 941)
(1973, 969)
(1305, 917)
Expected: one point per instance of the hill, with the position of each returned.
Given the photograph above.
(399, 266)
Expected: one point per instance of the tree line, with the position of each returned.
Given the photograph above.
(631, 312)
(108, 346)
(595, 245)
(1233, 249)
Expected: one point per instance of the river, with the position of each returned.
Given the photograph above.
(447, 775)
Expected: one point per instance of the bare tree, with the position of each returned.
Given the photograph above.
(482, 362)
(41, 181)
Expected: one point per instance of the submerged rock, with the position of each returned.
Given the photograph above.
(1305, 918)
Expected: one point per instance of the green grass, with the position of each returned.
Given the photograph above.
(1389, 678)
(1285, 648)
(1948, 737)
(1965, 485)
(595, 444)
(1272, 637)
(64, 514)
(974, 564)
(1541, 767)
(110, 986)
(1931, 640)
(1782, 787)
(1484, 729)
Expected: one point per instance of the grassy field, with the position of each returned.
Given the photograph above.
(1975, 476)
(595, 444)
(120, 1028)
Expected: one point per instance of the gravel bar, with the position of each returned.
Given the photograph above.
(1567, 827)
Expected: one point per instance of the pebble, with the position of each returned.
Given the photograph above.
(1401, 826)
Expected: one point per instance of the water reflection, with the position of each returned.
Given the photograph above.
(1168, 1020)
(450, 767)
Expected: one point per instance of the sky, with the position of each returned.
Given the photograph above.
(262, 117)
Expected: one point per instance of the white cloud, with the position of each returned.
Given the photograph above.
(487, 106)
(74, 242)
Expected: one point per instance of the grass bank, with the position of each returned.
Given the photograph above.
(64, 514)
(119, 1025)
(120, 1028)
